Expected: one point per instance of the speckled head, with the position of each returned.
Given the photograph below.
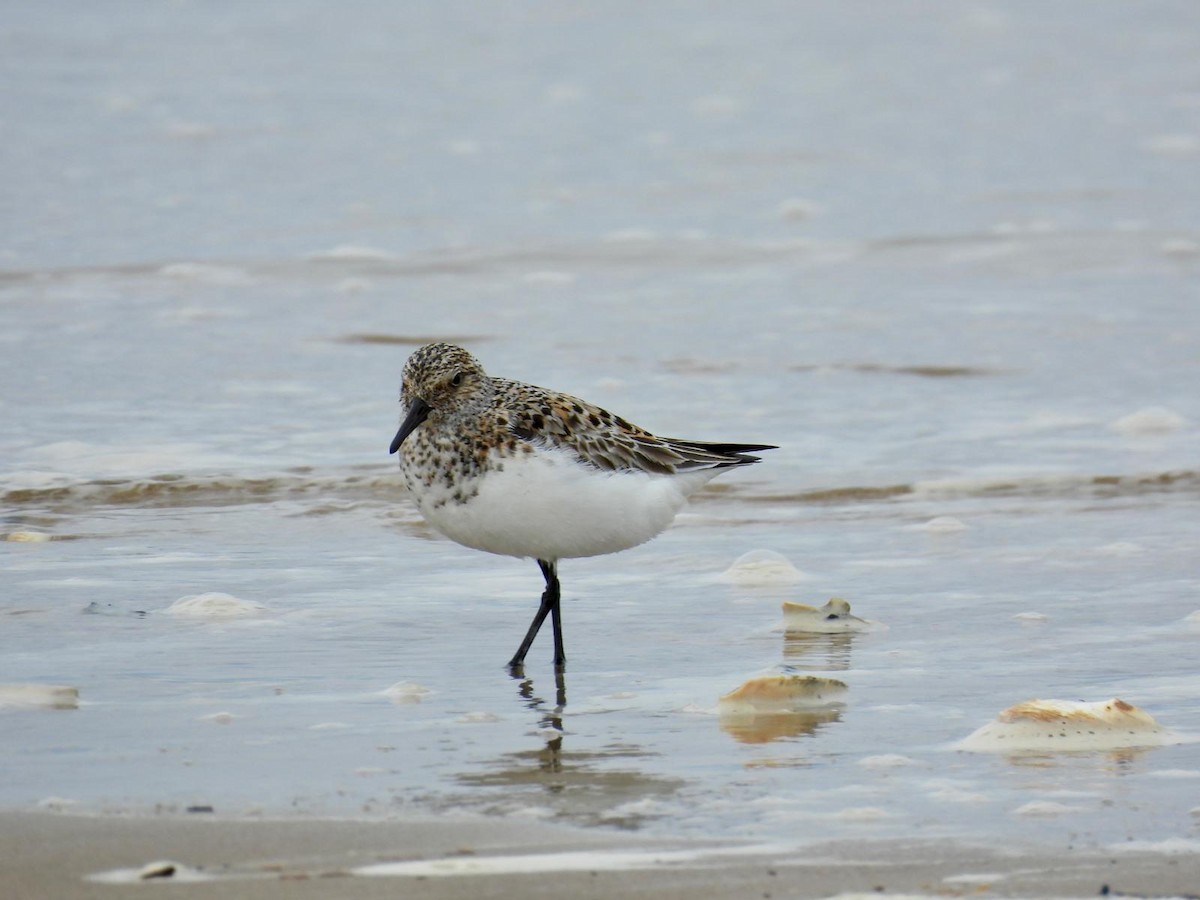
(437, 379)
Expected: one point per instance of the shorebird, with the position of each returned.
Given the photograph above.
(519, 470)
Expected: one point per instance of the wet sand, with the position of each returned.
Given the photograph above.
(57, 855)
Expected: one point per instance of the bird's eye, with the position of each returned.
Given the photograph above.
(456, 380)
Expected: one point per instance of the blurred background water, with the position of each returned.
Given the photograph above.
(946, 255)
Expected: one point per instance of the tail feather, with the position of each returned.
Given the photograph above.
(717, 455)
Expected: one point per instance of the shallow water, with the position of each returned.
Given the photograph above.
(946, 261)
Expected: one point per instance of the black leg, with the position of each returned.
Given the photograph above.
(549, 607)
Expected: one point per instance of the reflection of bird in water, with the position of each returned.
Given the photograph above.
(519, 470)
(583, 786)
(550, 757)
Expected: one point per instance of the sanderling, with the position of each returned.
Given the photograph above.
(518, 470)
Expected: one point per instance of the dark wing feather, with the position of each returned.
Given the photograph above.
(606, 441)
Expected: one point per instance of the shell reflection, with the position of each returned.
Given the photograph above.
(774, 707)
(830, 652)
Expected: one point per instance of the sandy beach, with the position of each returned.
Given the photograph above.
(72, 857)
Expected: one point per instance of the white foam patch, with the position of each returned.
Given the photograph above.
(862, 814)
(1151, 420)
(887, 761)
(214, 605)
(576, 861)
(405, 692)
(981, 879)
(1120, 549)
(1031, 617)
(908, 562)
(191, 131)
(38, 696)
(548, 277)
(57, 804)
(72, 461)
(186, 315)
(478, 718)
(630, 235)
(564, 93)
(353, 286)
(797, 209)
(1180, 247)
(1172, 144)
(1169, 846)
(160, 870)
(958, 795)
(1046, 809)
(716, 106)
(354, 252)
(219, 718)
(761, 568)
(463, 147)
(941, 525)
(1048, 420)
(205, 273)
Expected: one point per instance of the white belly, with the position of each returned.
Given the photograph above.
(548, 506)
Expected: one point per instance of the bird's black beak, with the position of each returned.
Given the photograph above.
(417, 411)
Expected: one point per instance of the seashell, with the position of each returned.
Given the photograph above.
(1066, 725)
(405, 692)
(776, 707)
(832, 618)
(161, 869)
(781, 694)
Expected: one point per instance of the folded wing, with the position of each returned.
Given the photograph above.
(609, 442)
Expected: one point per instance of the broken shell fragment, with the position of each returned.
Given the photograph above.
(832, 618)
(1066, 725)
(160, 869)
(781, 694)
